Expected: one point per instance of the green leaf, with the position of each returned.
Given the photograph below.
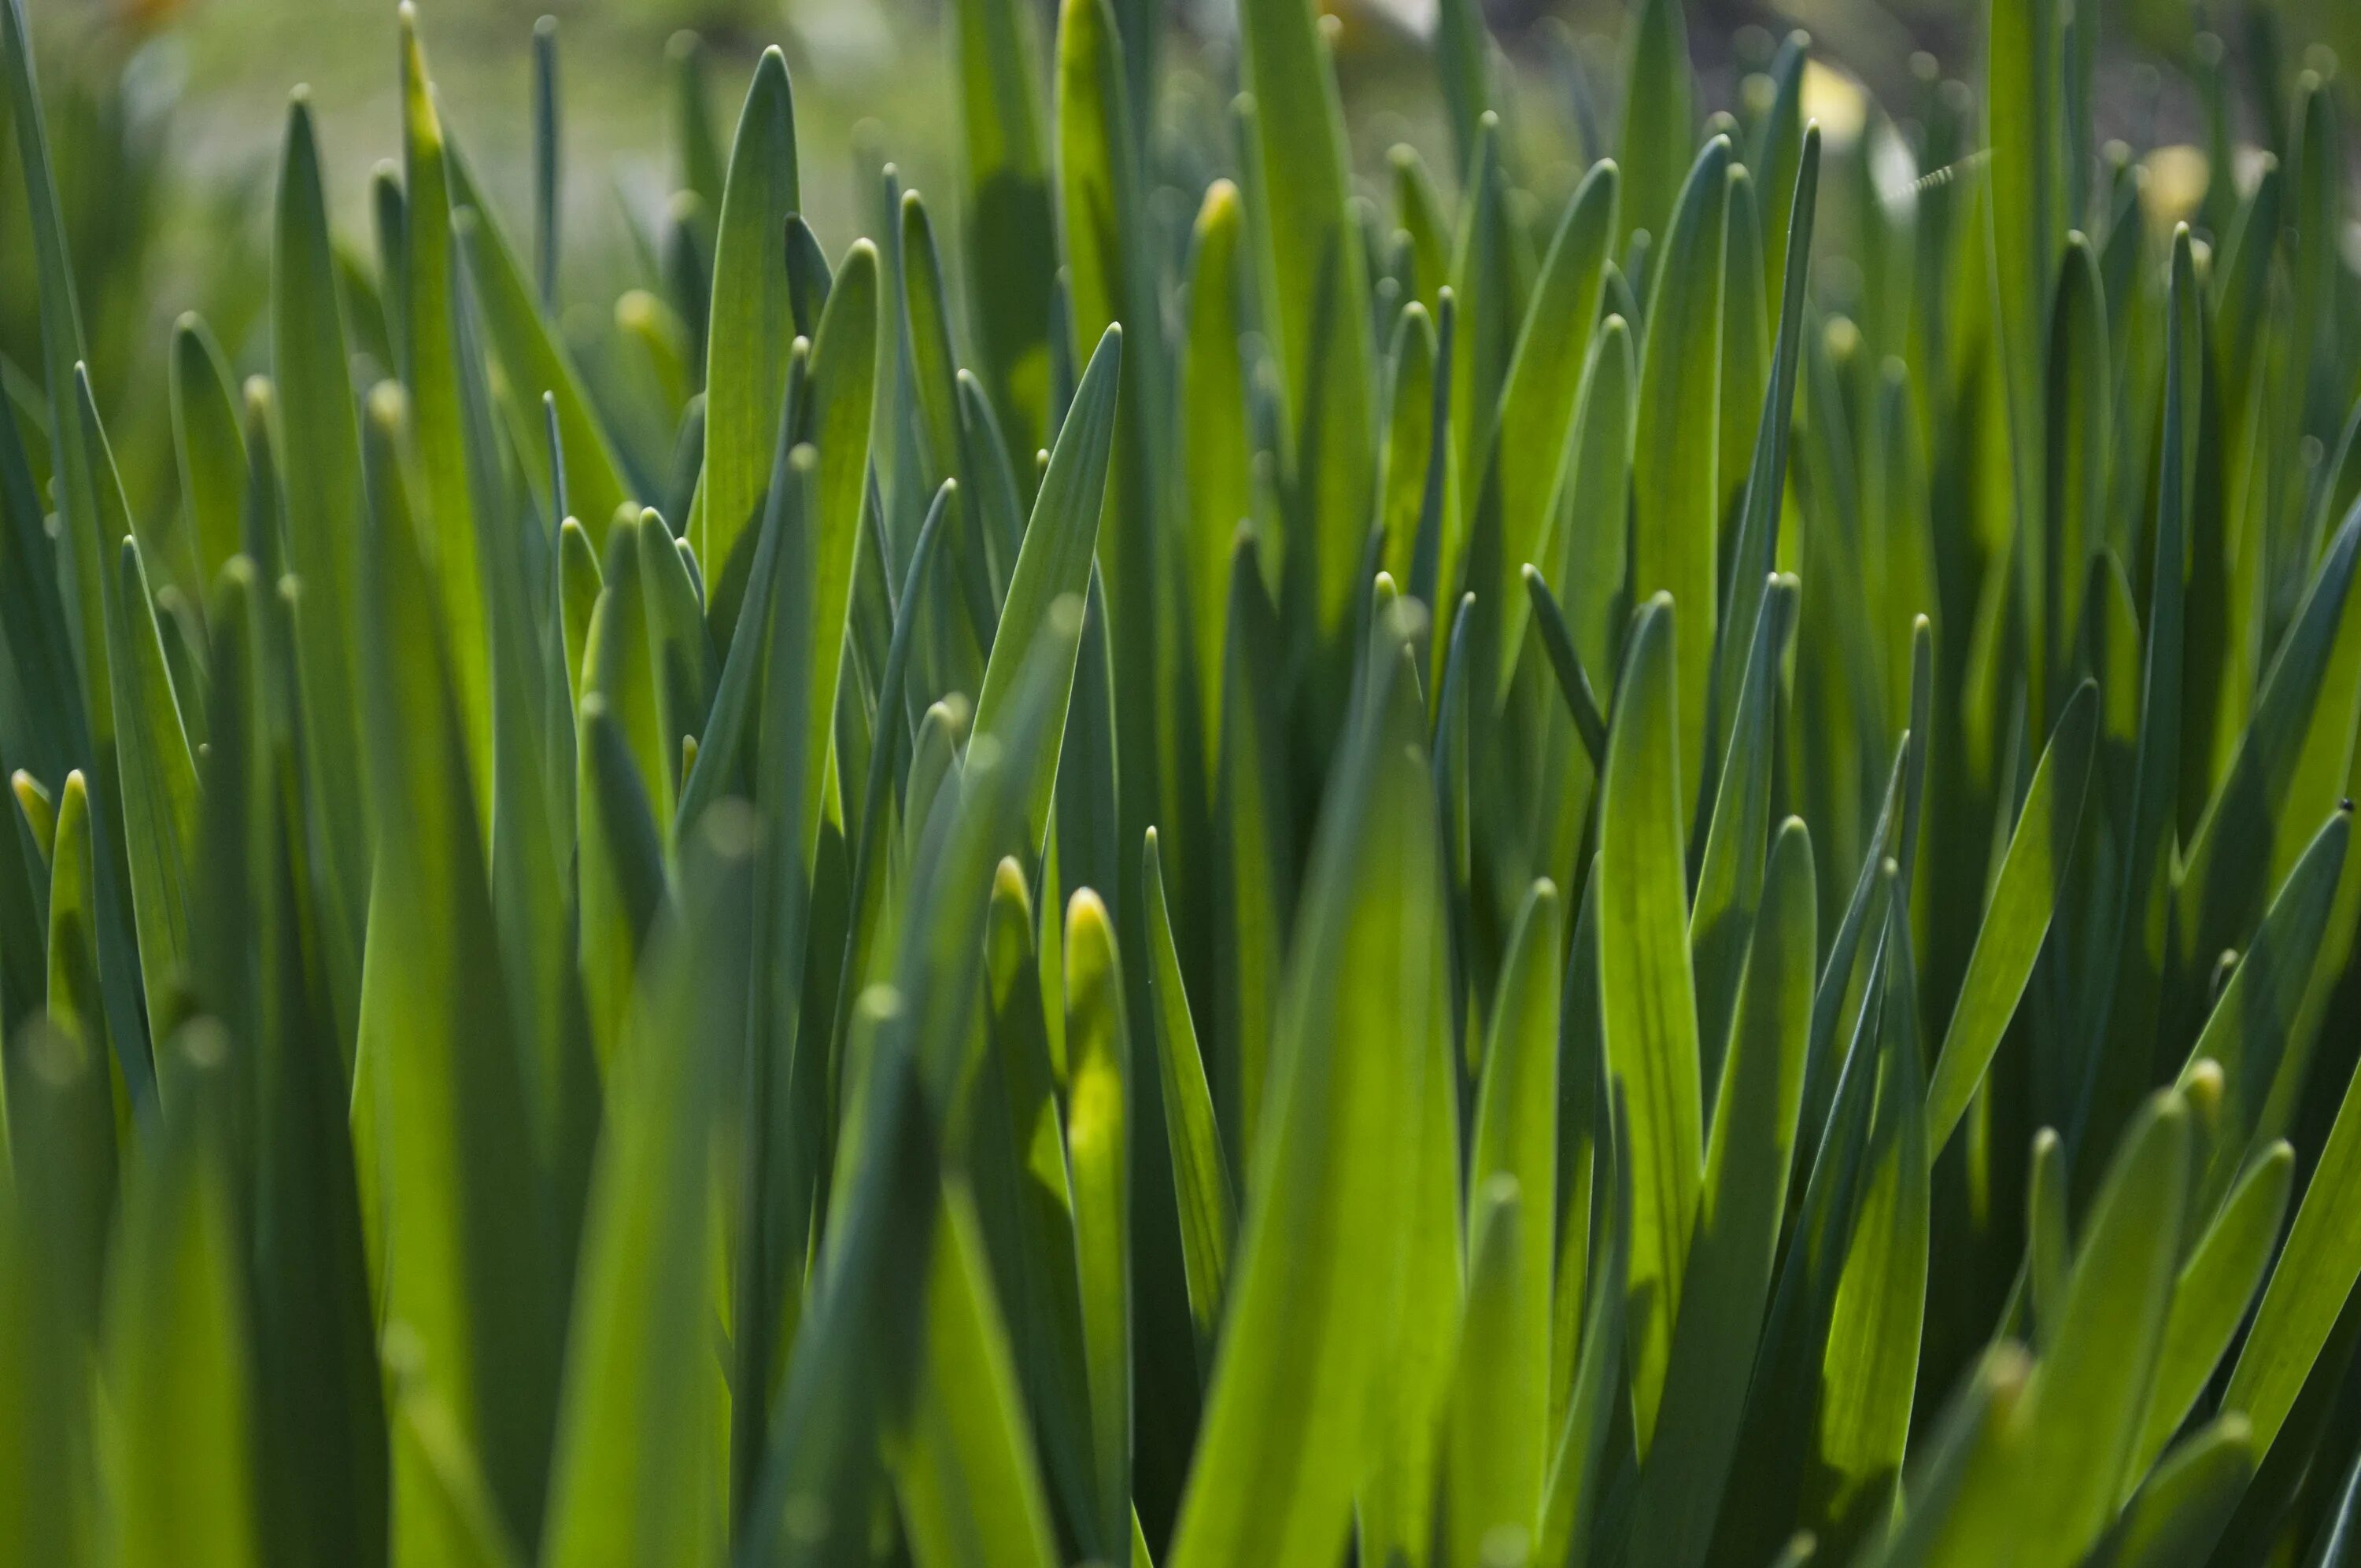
(2179, 1515)
(1515, 1144)
(1216, 446)
(178, 1447)
(1596, 526)
(1744, 1201)
(1056, 559)
(1729, 878)
(2025, 896)
(2211, 1296)
(465, 1219)
(1538, 400)
(2254, 1033)
(159, 791)
(1282, 1445)
(534, 359)
(1868, 1365)
(1659, 126)
(2091, 1389)
(970, 1496)
(1676, 492)
(455, 554)
(1201, 1170)
(1011, 244)
(635, 1474)
(1647, 997)
(1098, 1050)
(208, 446)
(750, 327)
(1490, 1489)
(1315, 289)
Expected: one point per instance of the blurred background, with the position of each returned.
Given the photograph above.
(166, 116)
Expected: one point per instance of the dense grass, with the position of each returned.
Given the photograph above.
(1555, 866)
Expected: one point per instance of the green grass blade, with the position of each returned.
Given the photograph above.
(1491, 1466)
(2211, 1295)
(1314, 288)
(457, 559)
(1057, 557)
(1868, 1365)
(535, 358)
(638, 1457)
(2179, 1515)
(1729, 875)
(467, 1229)
(1283, 1447)
(1515, 1141)
(179, 1447)
(1538, 397)
(1744, 1201)
(1216, 444)
(208, 446)
(1648, 998)
(1098, 1152)
(963, 1469)
(2093, 1385)
(159, 791)
(1659, 125)
(2254, 1033)
(2025, 897)
(1010, 240)
(1201, 1170)
(1676, 494)
(750, 327)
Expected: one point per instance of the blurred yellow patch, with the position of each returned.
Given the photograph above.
(2174, 183)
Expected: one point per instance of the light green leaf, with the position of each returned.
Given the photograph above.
(1648, 1000)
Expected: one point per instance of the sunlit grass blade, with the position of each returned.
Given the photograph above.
(1744, 1199)
(1648, 999)
(2016, 919)
(1201, 1170)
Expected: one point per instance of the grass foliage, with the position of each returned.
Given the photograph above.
(1552, 866)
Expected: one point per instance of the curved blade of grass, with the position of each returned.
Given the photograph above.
(2179, 1515)
(1729, 875)
(1596, 530)
(1648, 999)
(460, 559)
(2092, 1387)
(1011, 242)
(1201, 1170)
(1744, 1201)
(1676, 494)
(1515, 1140)
(1314, 288)
(2211, 1296)
(159, 791)
(750, 326)
(2253, 1032)
(534, 359)
(1659, 125)
(1868, 1365)
(637, 1460)
(1538, 399)
(2025, 897)
(970, 1494)
(1283, 1447)
(1489, 1486)
(1056, 560)
(464, 1212)
(176, 1343)
(1755, 553)
(1098, 1048)
(1216, 443)
(208, 446)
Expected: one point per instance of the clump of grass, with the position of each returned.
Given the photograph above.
(1462, 880)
